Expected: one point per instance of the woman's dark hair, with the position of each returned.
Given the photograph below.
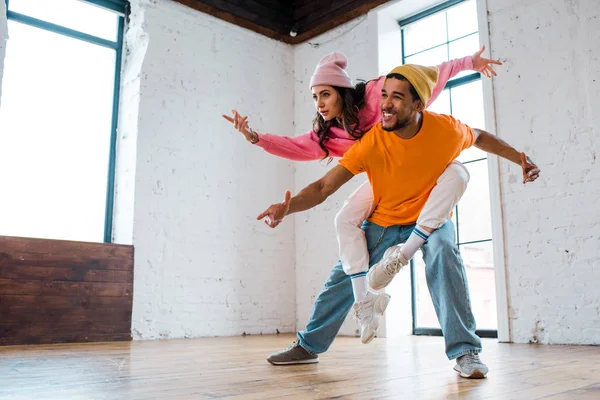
(353, 99)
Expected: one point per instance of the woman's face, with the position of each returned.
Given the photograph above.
(328, 102)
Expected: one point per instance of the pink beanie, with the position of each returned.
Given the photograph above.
(331, 71)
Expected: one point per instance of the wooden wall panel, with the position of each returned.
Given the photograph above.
(54, 291)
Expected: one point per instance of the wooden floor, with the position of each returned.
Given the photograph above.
(408, 368)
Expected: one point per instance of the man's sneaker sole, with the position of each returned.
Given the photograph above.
(310, 361)
(381, 303)
(477, 374)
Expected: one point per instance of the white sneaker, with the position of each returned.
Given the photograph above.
(470, 366)
(367, 312)
(381, 274)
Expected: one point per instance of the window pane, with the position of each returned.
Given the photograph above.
(73, 14)
(441, 105)
(429, 58)
(425, 313)
(55, 124)
(467, 106)
(474, 218)
(424, 34)
(479, 265)
(463, 47)
(462, 20)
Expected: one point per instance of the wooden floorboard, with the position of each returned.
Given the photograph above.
(235, 368)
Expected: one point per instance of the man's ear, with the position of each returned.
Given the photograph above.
(419, 107)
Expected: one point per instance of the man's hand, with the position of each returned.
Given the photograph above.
(483, 65)
(275, 213)
(530, 171)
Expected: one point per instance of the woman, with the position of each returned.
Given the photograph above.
(344, 113)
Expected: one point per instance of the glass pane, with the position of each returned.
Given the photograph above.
(462, 20)
(441, 105)
(430, 58)
(474, 218)
(463, 47)
(73, 14)
(55, 124)
(467, 106)
(479, 265)
(425, 33)
(425, 313)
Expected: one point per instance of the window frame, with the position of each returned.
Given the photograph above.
(119, 7)
(452, 83)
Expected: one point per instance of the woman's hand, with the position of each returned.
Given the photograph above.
(241, 124)
(484, 65)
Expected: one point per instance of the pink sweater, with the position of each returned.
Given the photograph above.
(306, 147)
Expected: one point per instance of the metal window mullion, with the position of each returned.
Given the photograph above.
(473, 161)
(446, 43)
(61, 30)
(110, 184)
(427, 49)
(413, 295)
(482, 333)
(457, 226)
(431, 11)
(117, 6)
(402, 44)
(474, 242)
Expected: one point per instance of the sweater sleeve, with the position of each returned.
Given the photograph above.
(448, 70)
(299, 148)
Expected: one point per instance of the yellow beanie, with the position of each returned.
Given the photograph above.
(422, 78)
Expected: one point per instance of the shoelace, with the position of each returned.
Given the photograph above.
(358, 312)
(394, 265)
(290, 347)
(471, 358)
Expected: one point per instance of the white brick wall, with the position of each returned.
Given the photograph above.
(3, 38)
(316, 244)
(547, 100)
(203, 265)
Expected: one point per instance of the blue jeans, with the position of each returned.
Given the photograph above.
(446, 280)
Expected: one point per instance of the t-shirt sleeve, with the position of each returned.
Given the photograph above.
(466, 133)
(353, 159)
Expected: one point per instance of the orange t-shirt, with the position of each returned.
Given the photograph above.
(403, 172)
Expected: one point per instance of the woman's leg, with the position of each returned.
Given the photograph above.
(352, 244)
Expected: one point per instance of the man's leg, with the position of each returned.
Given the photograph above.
(335, 300)
(447, 283)
(333, 303)
(449, 188)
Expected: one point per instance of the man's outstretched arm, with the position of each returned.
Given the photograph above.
(493, 144)
(312, 195)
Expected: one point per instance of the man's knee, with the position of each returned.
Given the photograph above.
(442, 242)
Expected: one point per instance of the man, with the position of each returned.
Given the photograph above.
(402, 156)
